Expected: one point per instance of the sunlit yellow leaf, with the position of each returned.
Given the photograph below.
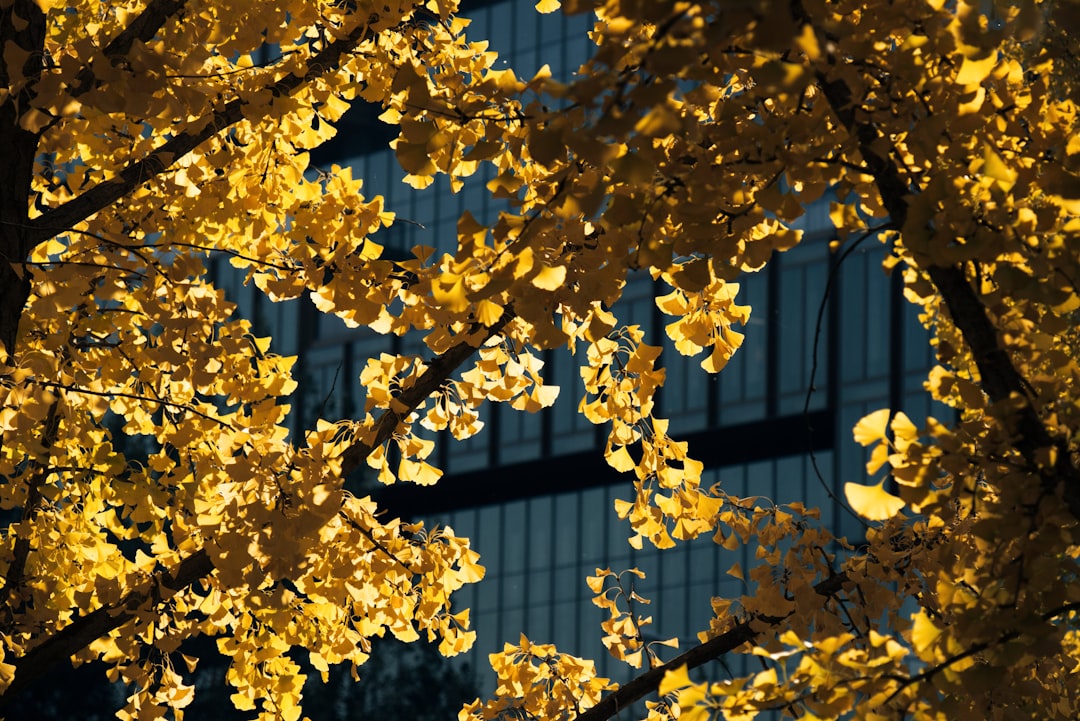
(871, 428)
(674, 680)
(975, 71)
(994, 167)
(546, 395)
(419, 472)
(150, 460)
(450, 291)
(717, 359)
(620, 459)
(7, 673)
(872, 502)
(878, 458)
(550, 277)
(923, 631)
(471, 571)
(695, 712)
(904, 431)
(487, 312)
(766, 678)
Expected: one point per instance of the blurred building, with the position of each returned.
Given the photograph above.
(533, 491)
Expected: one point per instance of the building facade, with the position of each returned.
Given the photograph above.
(533, 491)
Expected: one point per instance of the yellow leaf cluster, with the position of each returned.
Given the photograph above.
(537, 681)
(705, 316)
(138, 411)
(624, 638)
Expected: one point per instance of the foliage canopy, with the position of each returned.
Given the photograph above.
(143, 136)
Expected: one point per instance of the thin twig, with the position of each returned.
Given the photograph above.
(833, 273)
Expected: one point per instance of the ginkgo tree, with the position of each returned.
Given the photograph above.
(143, 137)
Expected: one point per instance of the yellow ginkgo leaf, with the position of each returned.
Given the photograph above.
(994, 167)
(691, 709)
(904, 431)
(471, 571)
(878, 458)
(765, 679)
(975, 71)
(674, 680)
(872, 502)
(620, 459)
(718, 358)
(547, 6)
(550, 277)
(871, 428)
(449, 291)
(546, 396)
(488, 312)
(923, 631)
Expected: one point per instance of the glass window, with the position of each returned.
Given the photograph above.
(552, 48)
(702, 563)
(803, 274)
(466, 597)
(513, 536)
(673, 562)
(593, 516)
(648, 561)
(542, 523)
(570, 430)
(487, 598)
(566, 529)
(669, 616)
(513, 590)
(524, 21)
(699, 609)
(761, 479)
(487, 642)
(618, 531)
(472, 453)
(519, 435)
(488, 533)
(511, 625)
(733, 479)
(792, 480)
(742, 382)
(565, 635)
(817, 489)
(589, 634)
(538, 619)
(464, 523)
(865, 312)
(569, 584)
(479, 29)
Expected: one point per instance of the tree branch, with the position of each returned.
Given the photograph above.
(74, 637)
(744, 632)
(998, 376)
(1001, 381)
(66, 216)
(143, 28)
(22, 37)
(14, 575)
(648, 682)
(84, 630)
(974, 649)
(436, 374)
